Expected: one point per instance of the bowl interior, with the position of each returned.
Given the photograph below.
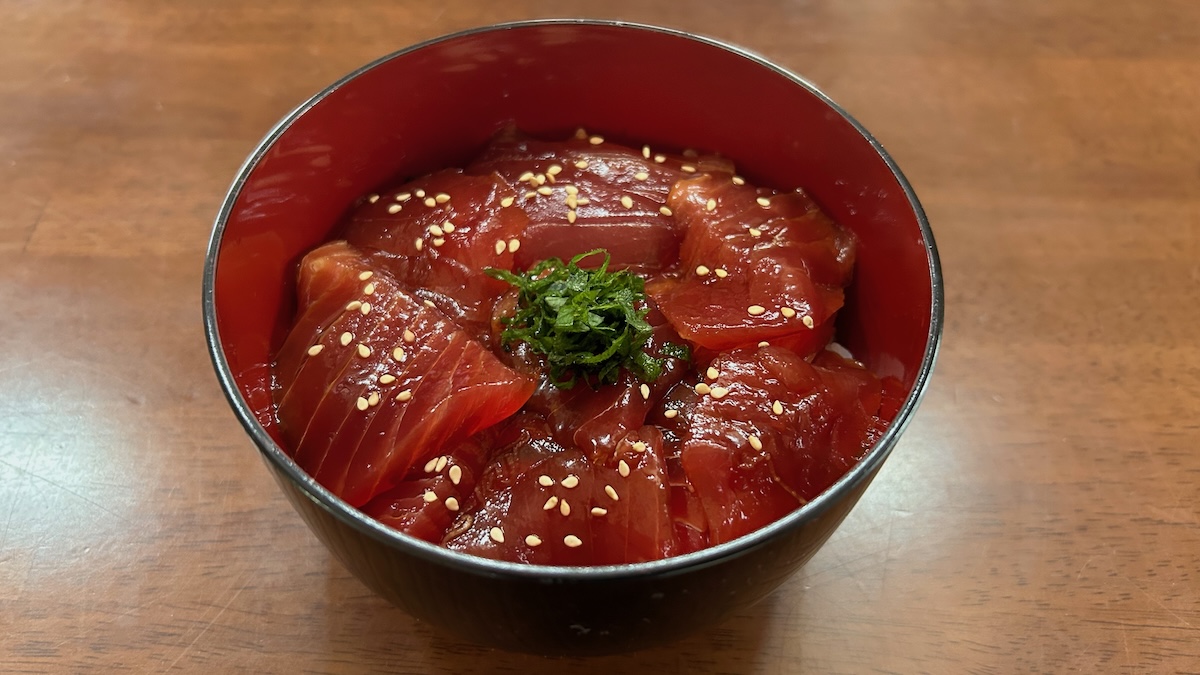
(436, 104)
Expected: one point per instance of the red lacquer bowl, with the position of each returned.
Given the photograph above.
(435, 105)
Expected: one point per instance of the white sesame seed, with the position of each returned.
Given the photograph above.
(764, 343)
(315, 349)
(703, 389)
(441, 198)
(455, 474)
(787, 312)
(612, 494)
(687, 168)
(550, 503)
(670, 413)
(438, 242)
(373, 399)
(755, 443)
(755, 232)
(581, 164)
(702, 271)
(584, 201)
(646, 151)
(404, 395)
(364, 351)
(363, 276)
(720, 272)
(430, 464)
(564, 508)
(533, 540)
(513, 245)
(373, 198)
(623, 469)
(598, 511)
(430, 202)
(627, 202)
(659, 159)
(572, 541)
(447, 227)
(409, 336)
(441, 464)
(387, 378)
(777, 408)
(596, 140)
(545, 190)
(755, 310)
(435, 230)
(530, 195)
(353, 305)
(361, 403)
(571, 201)
(507, 202)
(365, 308)
(420, 193)
(451, 504)
(639, 446)
(419, 244)
(394, 208)
(346, 338)
(712, 373)
(718, 392)
(808, 321)
(763, 201)
(540, 179)
(571, 190)
(665, 210)
(398, 353)
(403, 197)
(528, 175)
(499, 247)
(553, 170)
(369, 289)
(545, 481)
(429, 496)
(429, 304)
(645, 391)
(738, 180)
(570, 481)
(571, 216)
(641, 175)
(711, 205)
(497, 535)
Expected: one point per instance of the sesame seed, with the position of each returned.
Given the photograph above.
(645, 391)
(398, 353)
(597, 511)
(373, 198)
(639, 446)
(361, 403)
(447, 227)
(711, 205)
(623, 469)
(720, 272)
(553, 170)
(665, 210)
(513, 245)
(755, 232)
(777, 408)
(627, 202)
(419, 244)
(571, 216)
(354, 304)
(659, 159)
(712, 373)
(570, 481)
(364, 351)
(346, 338)
(646, 151)
(394, 208)
(787, 312)
(429, 304)
(581, 133)
(571, 190)
(409, 336)
(528, 175)
(581, 164)
(550, 503)
(404, 395)
(533, 540)
(738, 180)
(564, 508)
(755, 310)
(430, 464)
(420, 193)
(545, 481)
(763, 201)
(755, 443)
(315, 349)
(670, 413)
(403, 197)
(687, 168)
(702, 271)
(584, 201)
(369, 289)
(441, 463)
(429, 496)
(572, 541)
(718, 392)
(373, 399)
(507, 202)
(596, 140)
(441, 198)
(641, 175)
(451, 504)
(365, 308)
(571, 201)
(808, 321)
(545, 190)
(438, 242)
(430, 202)
(612, 494)
(499, 247)
(387, 378)
(764, 343)
(455, 474)
(703, 389)
(497, 535)
(363, 276)
(435, 230)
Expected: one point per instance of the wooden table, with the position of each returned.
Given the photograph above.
(1040, 515)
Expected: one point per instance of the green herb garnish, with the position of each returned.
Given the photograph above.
(588, 323)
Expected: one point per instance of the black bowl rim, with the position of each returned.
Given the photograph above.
(483, 566)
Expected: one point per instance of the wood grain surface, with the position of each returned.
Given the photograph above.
(1041, 514)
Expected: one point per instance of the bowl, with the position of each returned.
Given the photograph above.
(436, 104)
